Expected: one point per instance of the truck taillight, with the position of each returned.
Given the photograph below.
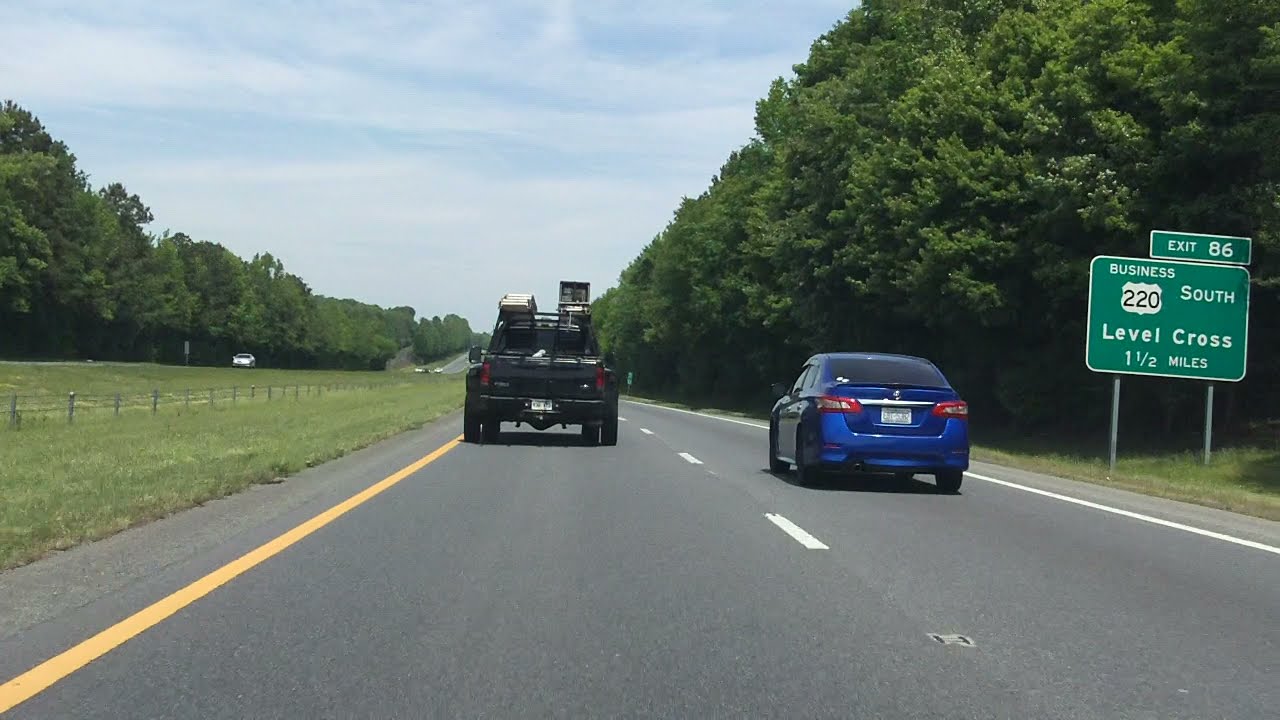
(957, 409)
(484, 374)
(599, 378)
(833, 404)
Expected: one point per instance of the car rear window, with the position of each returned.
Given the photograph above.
(885, 371)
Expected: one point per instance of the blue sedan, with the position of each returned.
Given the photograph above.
(872, 413)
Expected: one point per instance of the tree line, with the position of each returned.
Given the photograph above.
(934, 180)
(80, 277)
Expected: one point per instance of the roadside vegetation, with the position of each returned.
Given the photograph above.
(934, 180)
(66, 484)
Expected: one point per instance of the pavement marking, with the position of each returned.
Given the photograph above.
(1026, 488)
(646, 431)
(621, 419)
(41, 677)
(1131, 514)
(691, 412)
(796, 532)
(690, 458)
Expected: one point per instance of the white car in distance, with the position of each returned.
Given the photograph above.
(244, 360)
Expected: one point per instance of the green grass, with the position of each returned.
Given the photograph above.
(65, 484)
(1240, 479)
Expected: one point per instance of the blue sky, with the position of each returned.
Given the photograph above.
(434, 154)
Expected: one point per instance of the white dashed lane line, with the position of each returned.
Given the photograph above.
(690, 459)
(796, 532)
(646, 431)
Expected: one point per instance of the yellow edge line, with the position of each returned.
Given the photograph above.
(39, 678)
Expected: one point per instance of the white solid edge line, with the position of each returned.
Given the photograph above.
(797, 532)
(1131, 514)
(1056, 496)
(705, 415)
(646, 431)
(690, 458)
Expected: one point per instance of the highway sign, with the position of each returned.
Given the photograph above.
(1196, 247)
(630, 376)
(1165, 318)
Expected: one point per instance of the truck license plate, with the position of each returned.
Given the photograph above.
(540, 405)
(895, 416)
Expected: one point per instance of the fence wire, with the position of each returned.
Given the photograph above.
(46, 407)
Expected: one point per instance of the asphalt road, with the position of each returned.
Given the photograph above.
(455, 365)
(671, 576)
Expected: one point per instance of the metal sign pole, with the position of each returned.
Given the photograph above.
(1208, 422)
(1115, 422)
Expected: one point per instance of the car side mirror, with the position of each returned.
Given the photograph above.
(779, 389)
(474, 355)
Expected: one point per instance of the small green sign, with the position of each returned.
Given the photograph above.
(630, 376)
(1195, 247)
(1171, 319)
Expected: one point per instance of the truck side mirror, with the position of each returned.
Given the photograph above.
(474, 355)
(778, 389)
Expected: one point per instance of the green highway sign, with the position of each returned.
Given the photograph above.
(1171, 319)
(630, 376)
(1195, 247)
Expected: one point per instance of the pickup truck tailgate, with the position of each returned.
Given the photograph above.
(524, 376)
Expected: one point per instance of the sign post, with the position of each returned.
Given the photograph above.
(631, 376)
(1167, 318)
(186, 352)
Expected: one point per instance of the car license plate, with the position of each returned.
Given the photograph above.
(895, 416)
(540, 405)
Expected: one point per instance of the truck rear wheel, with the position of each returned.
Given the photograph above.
(492, 430)
(609, 430)
(470, 427)
(591, 434)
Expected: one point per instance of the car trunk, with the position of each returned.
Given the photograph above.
(909, 413)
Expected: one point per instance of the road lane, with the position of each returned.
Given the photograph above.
(540, 578)
(1124, 613)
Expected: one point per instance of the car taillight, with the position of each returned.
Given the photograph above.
(484, 374)
(957, 409)
(599, 378)
(833, 404)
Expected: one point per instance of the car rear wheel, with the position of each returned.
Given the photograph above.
(948, 481)
(805, 475)
(775, 465)
(470, 428)
(591, 434)
(492, 431)
(609, 430)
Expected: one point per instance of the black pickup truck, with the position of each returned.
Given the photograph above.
(542, 370)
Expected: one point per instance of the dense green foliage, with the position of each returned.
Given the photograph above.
(79, 277)
(934, 180)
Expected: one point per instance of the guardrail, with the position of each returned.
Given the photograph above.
(73, 407)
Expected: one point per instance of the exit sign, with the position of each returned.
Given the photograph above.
(1196, 247)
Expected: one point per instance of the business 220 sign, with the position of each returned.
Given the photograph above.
(1166, 318)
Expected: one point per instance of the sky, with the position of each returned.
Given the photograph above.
(427, 153)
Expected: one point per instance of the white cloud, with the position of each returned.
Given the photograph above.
(428, 153)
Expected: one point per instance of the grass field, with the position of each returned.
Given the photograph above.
(1240, 479)
(65, 484)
